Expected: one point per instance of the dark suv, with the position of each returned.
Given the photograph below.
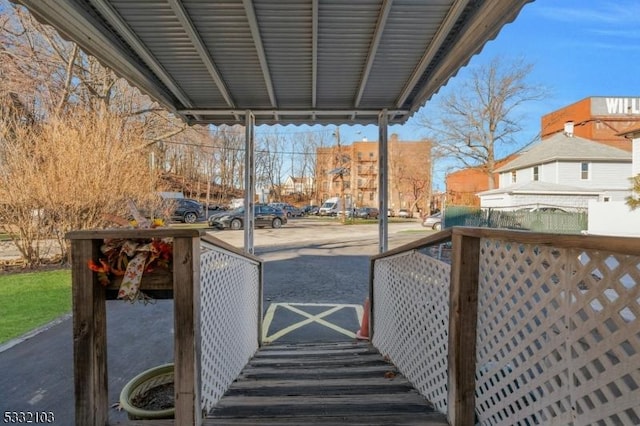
(186, 210)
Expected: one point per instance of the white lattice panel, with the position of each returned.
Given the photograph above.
(411, 316)
(558, 336)
(229, 297)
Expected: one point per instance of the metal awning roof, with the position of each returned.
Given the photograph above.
(288, 61)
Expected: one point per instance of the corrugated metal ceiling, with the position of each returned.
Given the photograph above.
(288, 61)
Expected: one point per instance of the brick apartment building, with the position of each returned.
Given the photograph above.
(356, 165)
(598, 118)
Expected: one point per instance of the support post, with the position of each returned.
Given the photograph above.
(249, 181)
(89, 337)
(186, 349)
(463, 319)
(383, 182)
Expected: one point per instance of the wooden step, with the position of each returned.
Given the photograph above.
(322, 383)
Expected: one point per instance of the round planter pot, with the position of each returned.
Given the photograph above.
(149, 379)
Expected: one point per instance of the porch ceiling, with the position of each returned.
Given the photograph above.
(289, 61)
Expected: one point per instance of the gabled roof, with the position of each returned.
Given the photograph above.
(288, 61)
(561, 147)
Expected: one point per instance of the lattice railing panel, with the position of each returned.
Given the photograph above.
(558, 336)
(229, 297)
(411, 316)
(605, 338)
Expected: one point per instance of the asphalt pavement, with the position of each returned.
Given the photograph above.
(313, 270)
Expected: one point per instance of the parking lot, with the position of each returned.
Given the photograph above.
(310, 230)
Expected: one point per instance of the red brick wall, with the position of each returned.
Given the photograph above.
(600, 128)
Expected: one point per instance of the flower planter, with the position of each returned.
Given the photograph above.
(139, 386)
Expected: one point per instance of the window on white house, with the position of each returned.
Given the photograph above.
(536, 173)
(513, 176)
(584, 171)
(606, 199)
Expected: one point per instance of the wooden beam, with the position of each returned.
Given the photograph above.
(89, 338)
(186, 283)
(463, 318)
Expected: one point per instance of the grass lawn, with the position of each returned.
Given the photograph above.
(30, 300)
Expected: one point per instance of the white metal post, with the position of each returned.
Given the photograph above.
(249, 181)
(383, 183)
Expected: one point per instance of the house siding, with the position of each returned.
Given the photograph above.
(636, 156)
(601, 174)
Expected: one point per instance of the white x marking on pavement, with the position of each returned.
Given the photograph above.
(310, 318)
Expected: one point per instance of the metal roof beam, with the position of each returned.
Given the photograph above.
(435, 45)
(314, 53)
(187, 25)
(257, 40)
(275, 112)
(115, 20)
(373, 48)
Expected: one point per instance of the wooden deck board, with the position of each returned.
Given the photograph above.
(324, 383)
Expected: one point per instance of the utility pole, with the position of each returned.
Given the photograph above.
(343, 219)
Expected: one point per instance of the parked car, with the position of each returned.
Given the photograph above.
(185, 210)
(310, 210)
(348, 212)
(542, 210)
(433, 222)
(264, 216)
(291, 211)
(404, 213)
(288, 209)
(367, 213)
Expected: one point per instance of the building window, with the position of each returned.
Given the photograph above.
(325, 185)
(513, 176)
(371, 155)
(371, 196)
(536, 173)
(606, 199)
(584, 171)
(359, 156)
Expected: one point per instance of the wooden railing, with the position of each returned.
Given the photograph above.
(182, 284)
(514, 327)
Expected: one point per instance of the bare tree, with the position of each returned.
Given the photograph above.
(482, 114)
(270, 163)
(68, 173)
(413, 176)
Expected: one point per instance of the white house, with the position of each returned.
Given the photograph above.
(562, 171)
(298, 185)
(616, 217)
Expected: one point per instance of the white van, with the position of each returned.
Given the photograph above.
(330, 207)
